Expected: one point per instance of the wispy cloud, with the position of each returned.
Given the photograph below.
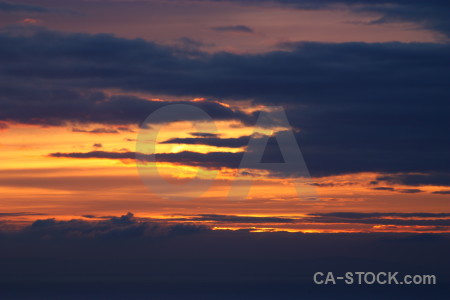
(339, 133)
(12, 7)
(233, 28)
(20, 214)
(19, 7)
(432, 15)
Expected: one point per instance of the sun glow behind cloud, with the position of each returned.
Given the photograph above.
(64, 165)
(54, 186)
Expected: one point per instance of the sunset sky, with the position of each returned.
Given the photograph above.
(365, 88)
(364, 84)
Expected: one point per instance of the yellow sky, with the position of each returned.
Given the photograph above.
(31, 181)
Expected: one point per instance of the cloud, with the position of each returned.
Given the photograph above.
(383, 188)
(30, 21)
(96, 130)
(355, 215)
(409, 191)
(432, 178)
(404, 191)
(234, 28)
(28, 8)
(211, 141)
(442, 192)
(390, 219)
(204, 134)
(214, 160)
(14, 7)
(431, 15)
(271, 157)
(102, 130)
(240, 219)
(399, 219)
(96, 154)
(360, 107)
(190, 47)
(321, 161)
(20, 214)
(127, 257)
(129, 226)
(326, 184)
(125, 226)
(58, 107)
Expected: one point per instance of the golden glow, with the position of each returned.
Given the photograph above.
(66, 188)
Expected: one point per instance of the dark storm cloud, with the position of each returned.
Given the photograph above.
(234, 28)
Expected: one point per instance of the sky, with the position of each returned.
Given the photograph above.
(363, 85)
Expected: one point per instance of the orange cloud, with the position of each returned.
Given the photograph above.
(30, 21)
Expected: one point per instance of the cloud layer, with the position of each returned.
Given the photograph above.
(431, 15)
(127, 257)
(360, 107)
